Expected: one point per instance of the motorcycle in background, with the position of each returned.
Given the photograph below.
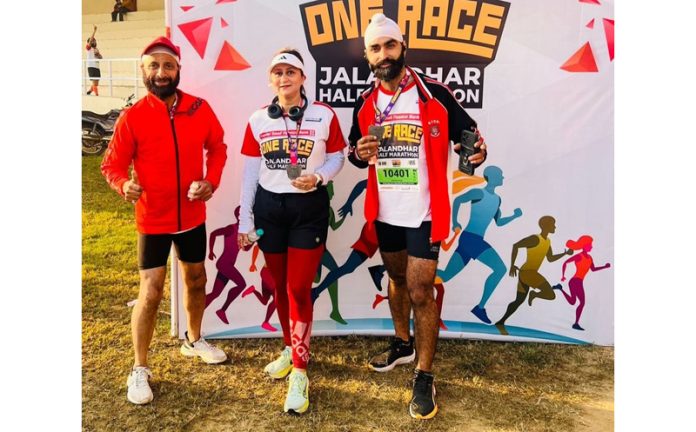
(97, 129)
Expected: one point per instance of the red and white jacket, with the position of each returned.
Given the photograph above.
(443, 121)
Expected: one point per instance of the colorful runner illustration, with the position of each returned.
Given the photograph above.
(485, 208)
(267, 290)
(583, 264)
(226, 267)
(538, 247)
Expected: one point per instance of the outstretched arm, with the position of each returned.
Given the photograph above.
(347, 208)
(504, 220)
(605, 266)
(551, 257)
(94, 32)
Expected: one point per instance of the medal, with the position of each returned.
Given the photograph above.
(294, 171)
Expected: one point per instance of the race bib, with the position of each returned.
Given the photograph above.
(397, 174)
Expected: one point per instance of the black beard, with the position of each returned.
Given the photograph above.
(394, 69)
(161, 92)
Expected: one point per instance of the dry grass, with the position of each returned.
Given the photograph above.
(481, 386)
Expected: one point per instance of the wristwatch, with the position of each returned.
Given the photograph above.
(320, 181)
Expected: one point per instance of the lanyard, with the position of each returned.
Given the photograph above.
(293, 142)
(381, 116)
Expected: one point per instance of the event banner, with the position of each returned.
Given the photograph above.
(530, 253)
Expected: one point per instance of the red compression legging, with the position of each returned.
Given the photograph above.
(294, 273)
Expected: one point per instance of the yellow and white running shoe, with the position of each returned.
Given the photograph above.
(297, 400)
(280, 367)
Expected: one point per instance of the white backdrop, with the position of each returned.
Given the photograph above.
(546, 114)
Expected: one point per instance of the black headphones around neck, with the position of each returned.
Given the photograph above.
(295, 113)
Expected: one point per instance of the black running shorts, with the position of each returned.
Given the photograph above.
(153, 249)
(416, 241)
(298, 220)
(94, 73)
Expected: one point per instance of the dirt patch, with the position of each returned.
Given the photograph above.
(598, 413)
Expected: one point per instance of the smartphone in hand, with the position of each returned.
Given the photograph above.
(468, 140)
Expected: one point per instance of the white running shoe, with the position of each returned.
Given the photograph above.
(297, 400)
(280, 367)
(201, 348)
(139, 391)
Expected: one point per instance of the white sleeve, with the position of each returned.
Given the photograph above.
(250, 181)
(332, 165)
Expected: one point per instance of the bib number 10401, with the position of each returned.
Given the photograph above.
(397, 176)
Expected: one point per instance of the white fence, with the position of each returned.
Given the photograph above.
(128, 77)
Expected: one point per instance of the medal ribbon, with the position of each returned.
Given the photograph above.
(293, 142)
(381, 116)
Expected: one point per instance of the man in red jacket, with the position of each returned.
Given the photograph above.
(407, 197)
(175, 143)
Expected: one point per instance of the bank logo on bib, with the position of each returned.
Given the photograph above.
(451, 41)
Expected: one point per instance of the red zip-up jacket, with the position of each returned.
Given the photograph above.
(443, 121)
(167, 152)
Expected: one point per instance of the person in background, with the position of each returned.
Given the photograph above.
(119, 11)
(292, 148)
(92, 64)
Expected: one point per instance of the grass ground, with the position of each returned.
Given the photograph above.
(481, 386)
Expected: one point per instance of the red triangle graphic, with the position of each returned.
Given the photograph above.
(225, 1)
(223, 23)
(590, 1)
(197, 33)
(590, 25)
(186, 8)
(230, 59)
(609, 34)
(582, 61)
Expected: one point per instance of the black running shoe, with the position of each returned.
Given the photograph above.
(399, 352)
(377, 272)
(423, 404)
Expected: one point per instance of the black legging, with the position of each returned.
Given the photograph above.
(120, 13)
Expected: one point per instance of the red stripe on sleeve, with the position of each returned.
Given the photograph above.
(250, 147)
(335, 142)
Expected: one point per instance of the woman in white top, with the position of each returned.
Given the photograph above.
(292, 148)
